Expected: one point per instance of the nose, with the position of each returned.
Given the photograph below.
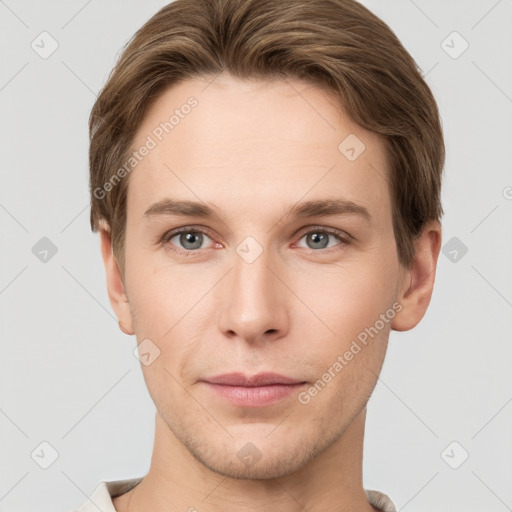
(254, 301)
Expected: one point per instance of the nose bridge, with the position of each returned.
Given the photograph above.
(255, 302)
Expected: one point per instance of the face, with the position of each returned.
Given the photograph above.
(287, 265)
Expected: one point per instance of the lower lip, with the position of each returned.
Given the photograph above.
(254, 396)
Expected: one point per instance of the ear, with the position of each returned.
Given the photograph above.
(115, 285)
(417, 281)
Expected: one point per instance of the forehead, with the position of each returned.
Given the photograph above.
(259, 140)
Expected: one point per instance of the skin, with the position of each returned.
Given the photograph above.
(254, 149)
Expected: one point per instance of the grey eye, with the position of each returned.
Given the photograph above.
(318, 240)
(189, 240)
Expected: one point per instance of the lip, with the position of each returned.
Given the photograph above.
(260, 379)
(253, 391)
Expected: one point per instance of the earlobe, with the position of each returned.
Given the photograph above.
(124, 329)
(115, 286)
(417, 282)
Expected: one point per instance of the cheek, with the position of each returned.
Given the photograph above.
(162, 296)
(347, 365)
(347, 300)
(170, 313)
(347, 306)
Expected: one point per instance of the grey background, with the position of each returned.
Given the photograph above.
(68, 375)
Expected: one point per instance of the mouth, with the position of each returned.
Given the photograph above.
(253, 391)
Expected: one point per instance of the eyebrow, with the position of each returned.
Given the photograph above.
(314, 208)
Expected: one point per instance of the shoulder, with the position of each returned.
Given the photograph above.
(104, 494)
(380, 501)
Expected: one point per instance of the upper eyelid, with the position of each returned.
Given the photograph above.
(185, 229)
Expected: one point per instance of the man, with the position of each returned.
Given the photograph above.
(265, 178)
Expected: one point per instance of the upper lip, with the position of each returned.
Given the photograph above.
(260, 379)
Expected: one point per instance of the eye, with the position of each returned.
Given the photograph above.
(318, 238)
(190, 240)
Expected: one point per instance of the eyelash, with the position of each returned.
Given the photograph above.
(344, 238)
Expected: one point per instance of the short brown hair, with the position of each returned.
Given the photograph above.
(338, 45)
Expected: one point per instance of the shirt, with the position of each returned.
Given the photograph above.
(101, 498)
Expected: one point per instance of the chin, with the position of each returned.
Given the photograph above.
(257, 457)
